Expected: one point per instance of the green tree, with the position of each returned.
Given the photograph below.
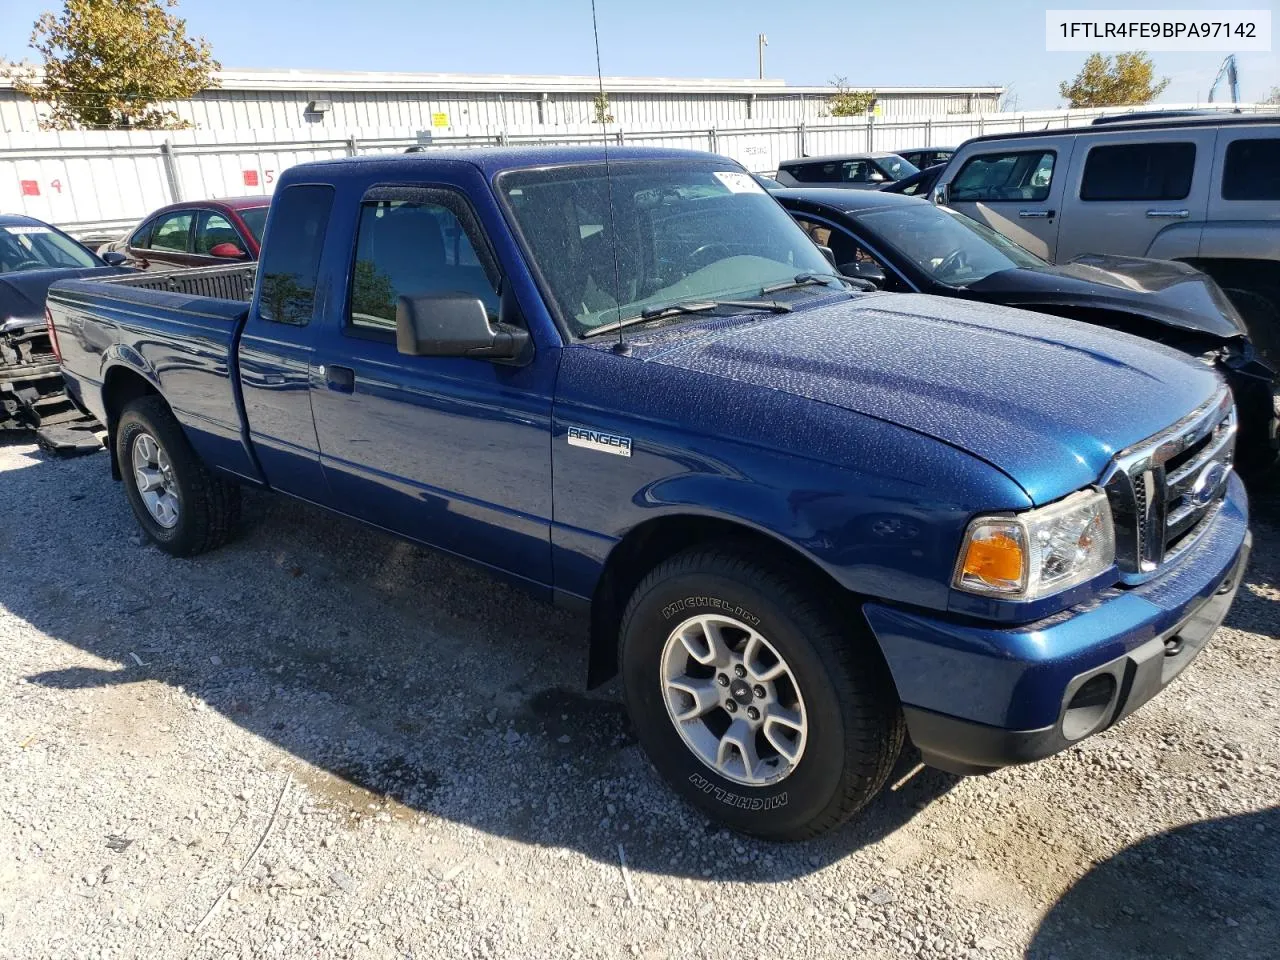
(1128, 79)
(109, 63)
(372, 293)
(848, 103)
(603, 115)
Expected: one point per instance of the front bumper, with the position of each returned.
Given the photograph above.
(977, 698)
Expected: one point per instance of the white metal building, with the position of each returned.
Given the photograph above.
(459, 103)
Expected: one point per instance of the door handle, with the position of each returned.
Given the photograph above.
(342, 379)
(1168, 214)
(1035, 214)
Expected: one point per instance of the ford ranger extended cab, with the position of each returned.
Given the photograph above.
(807, 521)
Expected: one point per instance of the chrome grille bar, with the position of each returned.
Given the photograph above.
(1163, 489)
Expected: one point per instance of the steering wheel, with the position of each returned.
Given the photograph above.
(952, 263)
(29, 265)
(697, 255)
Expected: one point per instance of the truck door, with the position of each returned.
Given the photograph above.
(1127, 188)
(452, 451)
(1015, 187)
(275, 349)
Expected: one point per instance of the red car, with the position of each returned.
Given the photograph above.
(196, 233)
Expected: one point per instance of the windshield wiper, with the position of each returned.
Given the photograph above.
(649, 314)
(800, 280)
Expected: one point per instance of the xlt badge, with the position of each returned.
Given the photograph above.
(600, 442)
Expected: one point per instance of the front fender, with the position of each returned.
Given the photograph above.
(878, 507)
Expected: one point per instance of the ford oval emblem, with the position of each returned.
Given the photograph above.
(1207, 484)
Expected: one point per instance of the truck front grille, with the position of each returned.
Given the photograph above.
(1165, 490)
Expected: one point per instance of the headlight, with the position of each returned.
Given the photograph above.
(1038, 553)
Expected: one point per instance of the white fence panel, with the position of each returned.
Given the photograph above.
(100, 182)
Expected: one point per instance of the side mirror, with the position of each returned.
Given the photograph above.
(113, 258)
(454, 325)
(828, 253)
(226, 250)
(938, 195)
(867, 270)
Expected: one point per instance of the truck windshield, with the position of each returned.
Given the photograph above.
(677, 233)
(948, 246)
(255, 218)
(37, 247)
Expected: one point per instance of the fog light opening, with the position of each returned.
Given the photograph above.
(1089, 707)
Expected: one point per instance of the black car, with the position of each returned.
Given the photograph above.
(926, 157)
(908, 245)
(918, 184)
(32, 256)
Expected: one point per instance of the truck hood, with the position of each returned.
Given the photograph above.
(1173, 294)
(22, 294)
(1046, 400)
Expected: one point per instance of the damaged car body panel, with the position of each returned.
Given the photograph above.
(34, 255)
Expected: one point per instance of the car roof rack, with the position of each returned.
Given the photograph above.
(1161, 115)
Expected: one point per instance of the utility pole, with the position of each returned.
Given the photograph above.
(761, 42)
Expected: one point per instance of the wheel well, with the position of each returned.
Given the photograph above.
(654, 541)
(1255, 275)
(1252, 286)
(121, 387)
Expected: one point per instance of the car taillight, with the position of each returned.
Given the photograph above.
(53, 334)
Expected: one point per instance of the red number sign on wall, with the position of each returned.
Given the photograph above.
(30, 188)
(251, 178)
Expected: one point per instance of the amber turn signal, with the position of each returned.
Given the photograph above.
(996, 558)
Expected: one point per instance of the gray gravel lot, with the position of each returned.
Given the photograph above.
(322, 742)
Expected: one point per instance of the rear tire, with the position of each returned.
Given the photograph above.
(802, 779)
(182, 506)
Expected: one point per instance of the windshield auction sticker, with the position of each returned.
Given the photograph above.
(1201, 31)
(21, 230)
(738, 182)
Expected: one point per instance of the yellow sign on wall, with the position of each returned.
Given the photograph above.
(439, 119)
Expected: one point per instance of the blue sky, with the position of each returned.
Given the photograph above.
(923, 42)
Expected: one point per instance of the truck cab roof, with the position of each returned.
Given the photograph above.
(495, 160)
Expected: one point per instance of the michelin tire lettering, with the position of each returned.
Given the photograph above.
(671, 609)
(731, 799)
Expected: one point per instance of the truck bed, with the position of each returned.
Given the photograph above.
(180, 329)
(234, 282)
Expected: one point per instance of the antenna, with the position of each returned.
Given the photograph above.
(601, 110)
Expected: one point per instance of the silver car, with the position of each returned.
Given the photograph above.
(1204, 190)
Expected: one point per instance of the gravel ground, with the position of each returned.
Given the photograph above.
(321, 742)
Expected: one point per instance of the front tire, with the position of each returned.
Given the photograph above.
(182, 507)
(753, 698)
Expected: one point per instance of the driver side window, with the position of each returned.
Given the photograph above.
(412, 248)
(853, 259)
(1019, 176)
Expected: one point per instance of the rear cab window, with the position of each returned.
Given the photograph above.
(1023, 175)
(290, 266)
(1138, 171)
(1251, 170)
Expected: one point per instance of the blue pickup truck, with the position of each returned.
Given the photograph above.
(805, 521)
